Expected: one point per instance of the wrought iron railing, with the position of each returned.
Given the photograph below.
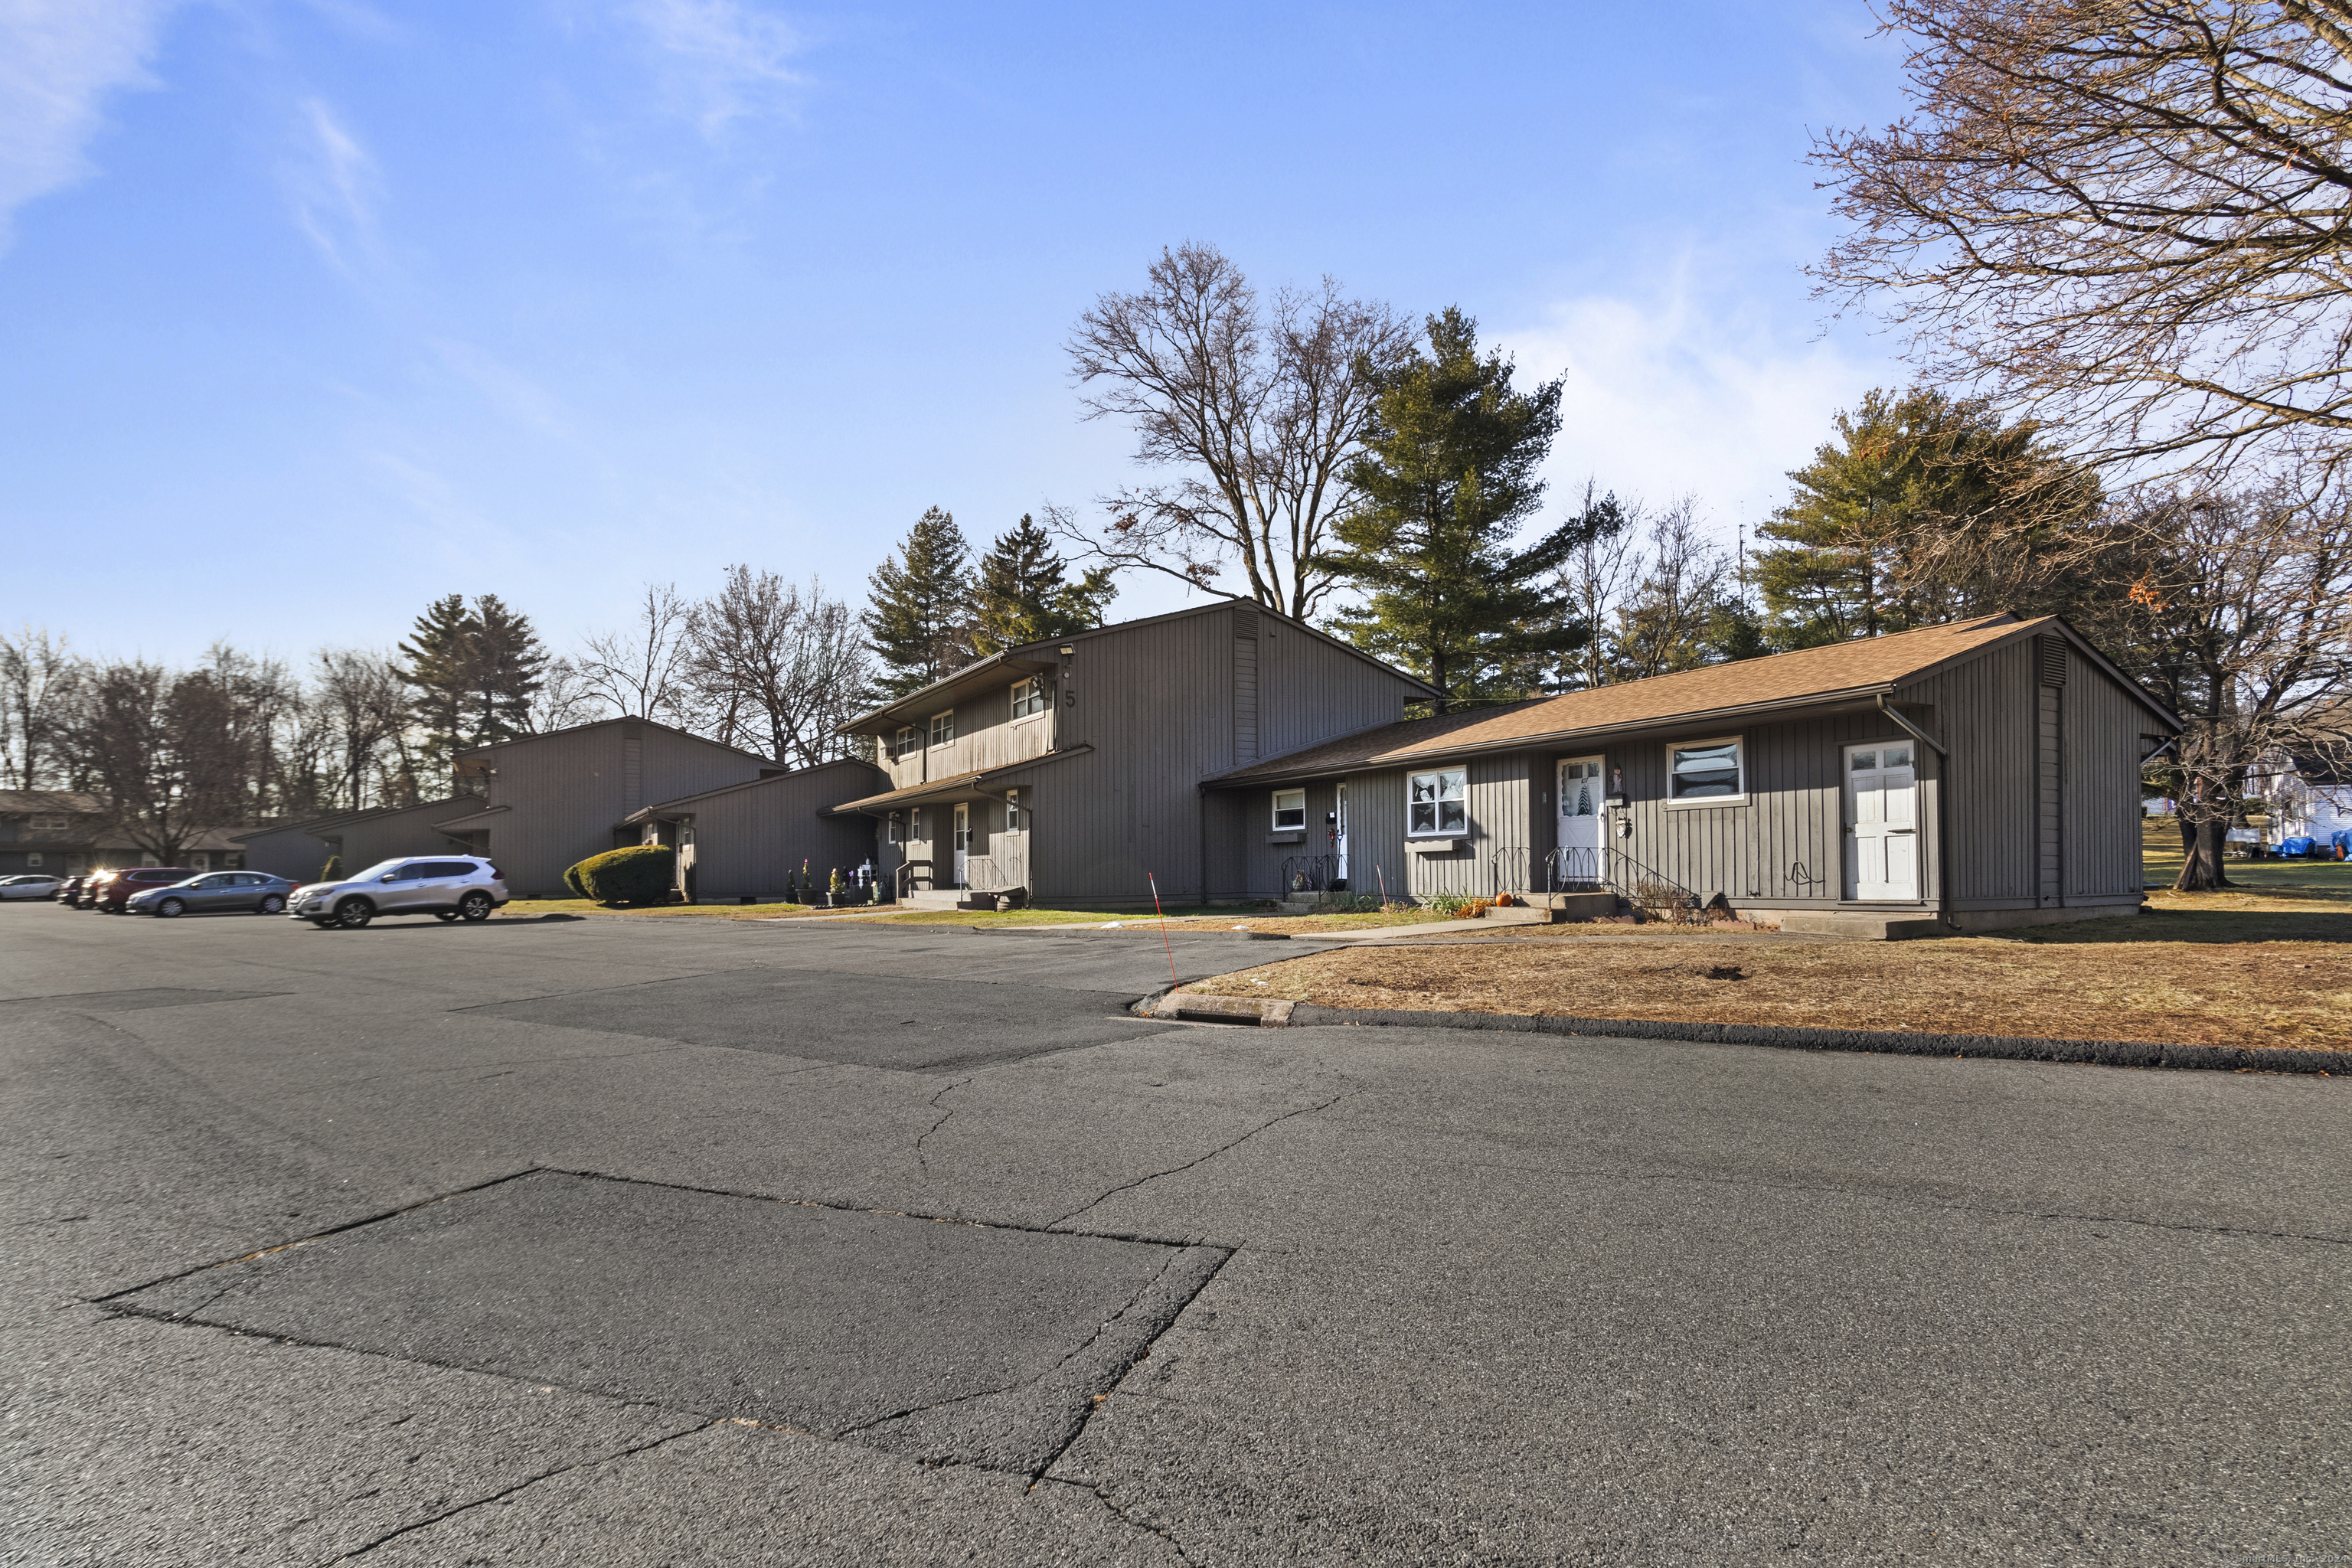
(1309, 874)
(1574, 868)
(1652, 891)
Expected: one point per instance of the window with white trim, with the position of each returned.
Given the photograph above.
(908, 740)
(897, 828)
(1437, 803)
(1707, 772)
(1013, 811)
(942, 728)
(1289, 809)
(1028, 697)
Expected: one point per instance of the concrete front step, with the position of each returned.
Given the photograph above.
(1860, 923)
(942, 898)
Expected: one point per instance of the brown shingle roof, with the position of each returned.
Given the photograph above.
(1862, 666)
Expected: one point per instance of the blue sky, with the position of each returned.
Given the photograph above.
(313, 309)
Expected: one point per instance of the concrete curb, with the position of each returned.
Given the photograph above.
(2104, 1052)
(1271, 1014)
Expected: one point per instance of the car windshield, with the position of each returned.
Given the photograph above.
(378, 870)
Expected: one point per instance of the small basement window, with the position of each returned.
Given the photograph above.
(1439, 804)
(1289, 808)
(1028, 697)
(942, 728)
(1709, 771)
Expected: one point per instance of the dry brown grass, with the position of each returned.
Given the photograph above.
(2196, 992)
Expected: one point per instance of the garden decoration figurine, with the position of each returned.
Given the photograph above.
(792, 887)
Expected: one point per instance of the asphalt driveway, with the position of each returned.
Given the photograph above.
(664, 1242)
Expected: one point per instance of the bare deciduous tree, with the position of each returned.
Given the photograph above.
(366, 707)
(1665, 623)
(1595, 580)
(2128, 217)
(36, 676)
(1257, 411)
(639, 668)
(562, 699)
(775, 668)
(2240, 620)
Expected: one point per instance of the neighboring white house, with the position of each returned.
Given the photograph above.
(2307, 796)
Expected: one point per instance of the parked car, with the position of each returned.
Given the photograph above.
(216, 893)
(87, 897)
(37, 884)
(116, 894)
(449, 885)
(71, 890)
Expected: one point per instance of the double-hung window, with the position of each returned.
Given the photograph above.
(942, 728)
(908, 740)
(1028, 697)
(1289, 809)
(1013, 811)
(1438, 804)
(1710, 771)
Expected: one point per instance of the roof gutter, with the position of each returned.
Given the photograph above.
(1943, 808)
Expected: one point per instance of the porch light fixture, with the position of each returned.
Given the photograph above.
(1067, 651)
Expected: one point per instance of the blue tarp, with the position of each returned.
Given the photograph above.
(2302, 845)
(2342, 839)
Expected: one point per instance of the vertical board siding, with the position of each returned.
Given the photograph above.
(289, 852)
(567, 794)
(1245, 699)
(2100, 756)
(1984, 712)
(2048, 780)
(748, 840)
(408, 831)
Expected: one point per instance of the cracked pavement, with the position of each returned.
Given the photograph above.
(664, 1242)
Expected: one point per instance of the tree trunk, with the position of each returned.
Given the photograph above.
(2200, 870)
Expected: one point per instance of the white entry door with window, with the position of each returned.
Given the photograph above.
(1339, 835)
(1581, 845)
(1882, 816)
(962, 840)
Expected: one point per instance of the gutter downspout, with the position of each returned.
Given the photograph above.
(1943, 809)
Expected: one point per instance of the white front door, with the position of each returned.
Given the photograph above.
(1339, 833)
(1882, 816)
(1581, 814)
(962, 840)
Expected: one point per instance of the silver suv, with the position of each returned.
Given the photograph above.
(451, 887)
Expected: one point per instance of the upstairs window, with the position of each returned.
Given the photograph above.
(908, 740)
(1438, 804)
(942, 728)
(1706, 770)
(1289, 809)
(1028, 697)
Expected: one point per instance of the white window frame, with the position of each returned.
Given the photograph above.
(908, 739)
(1280, 795)
(943, 727)
(1438, 803)
(898, 829)
(1013, 811)
(1738, 743)
(1028, 697)
(33, 861)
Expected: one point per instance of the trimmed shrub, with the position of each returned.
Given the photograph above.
(334, 869)
(576, 883)
(640, 874)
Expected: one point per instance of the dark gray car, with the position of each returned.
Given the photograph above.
(215, 892)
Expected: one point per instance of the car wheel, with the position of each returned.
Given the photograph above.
(272, 905)
(169, 909)
(475, 906)
(353, 914)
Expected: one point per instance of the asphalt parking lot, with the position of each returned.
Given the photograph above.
(626, 1242)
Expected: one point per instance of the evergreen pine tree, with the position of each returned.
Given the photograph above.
(1025, 594)
(1449, 477)
(509, 666)
(440, 669)
(919, 616)
(1925, 508)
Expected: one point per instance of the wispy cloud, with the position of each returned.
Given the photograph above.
(59, 59)
(1685, 392)
(335, 189)
(719, 60)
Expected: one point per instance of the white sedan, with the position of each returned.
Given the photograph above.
(35, 886)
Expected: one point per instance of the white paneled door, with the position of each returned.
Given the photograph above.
(963, 840)
(1882, 818)
(1580, 816)
(1340, 833)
